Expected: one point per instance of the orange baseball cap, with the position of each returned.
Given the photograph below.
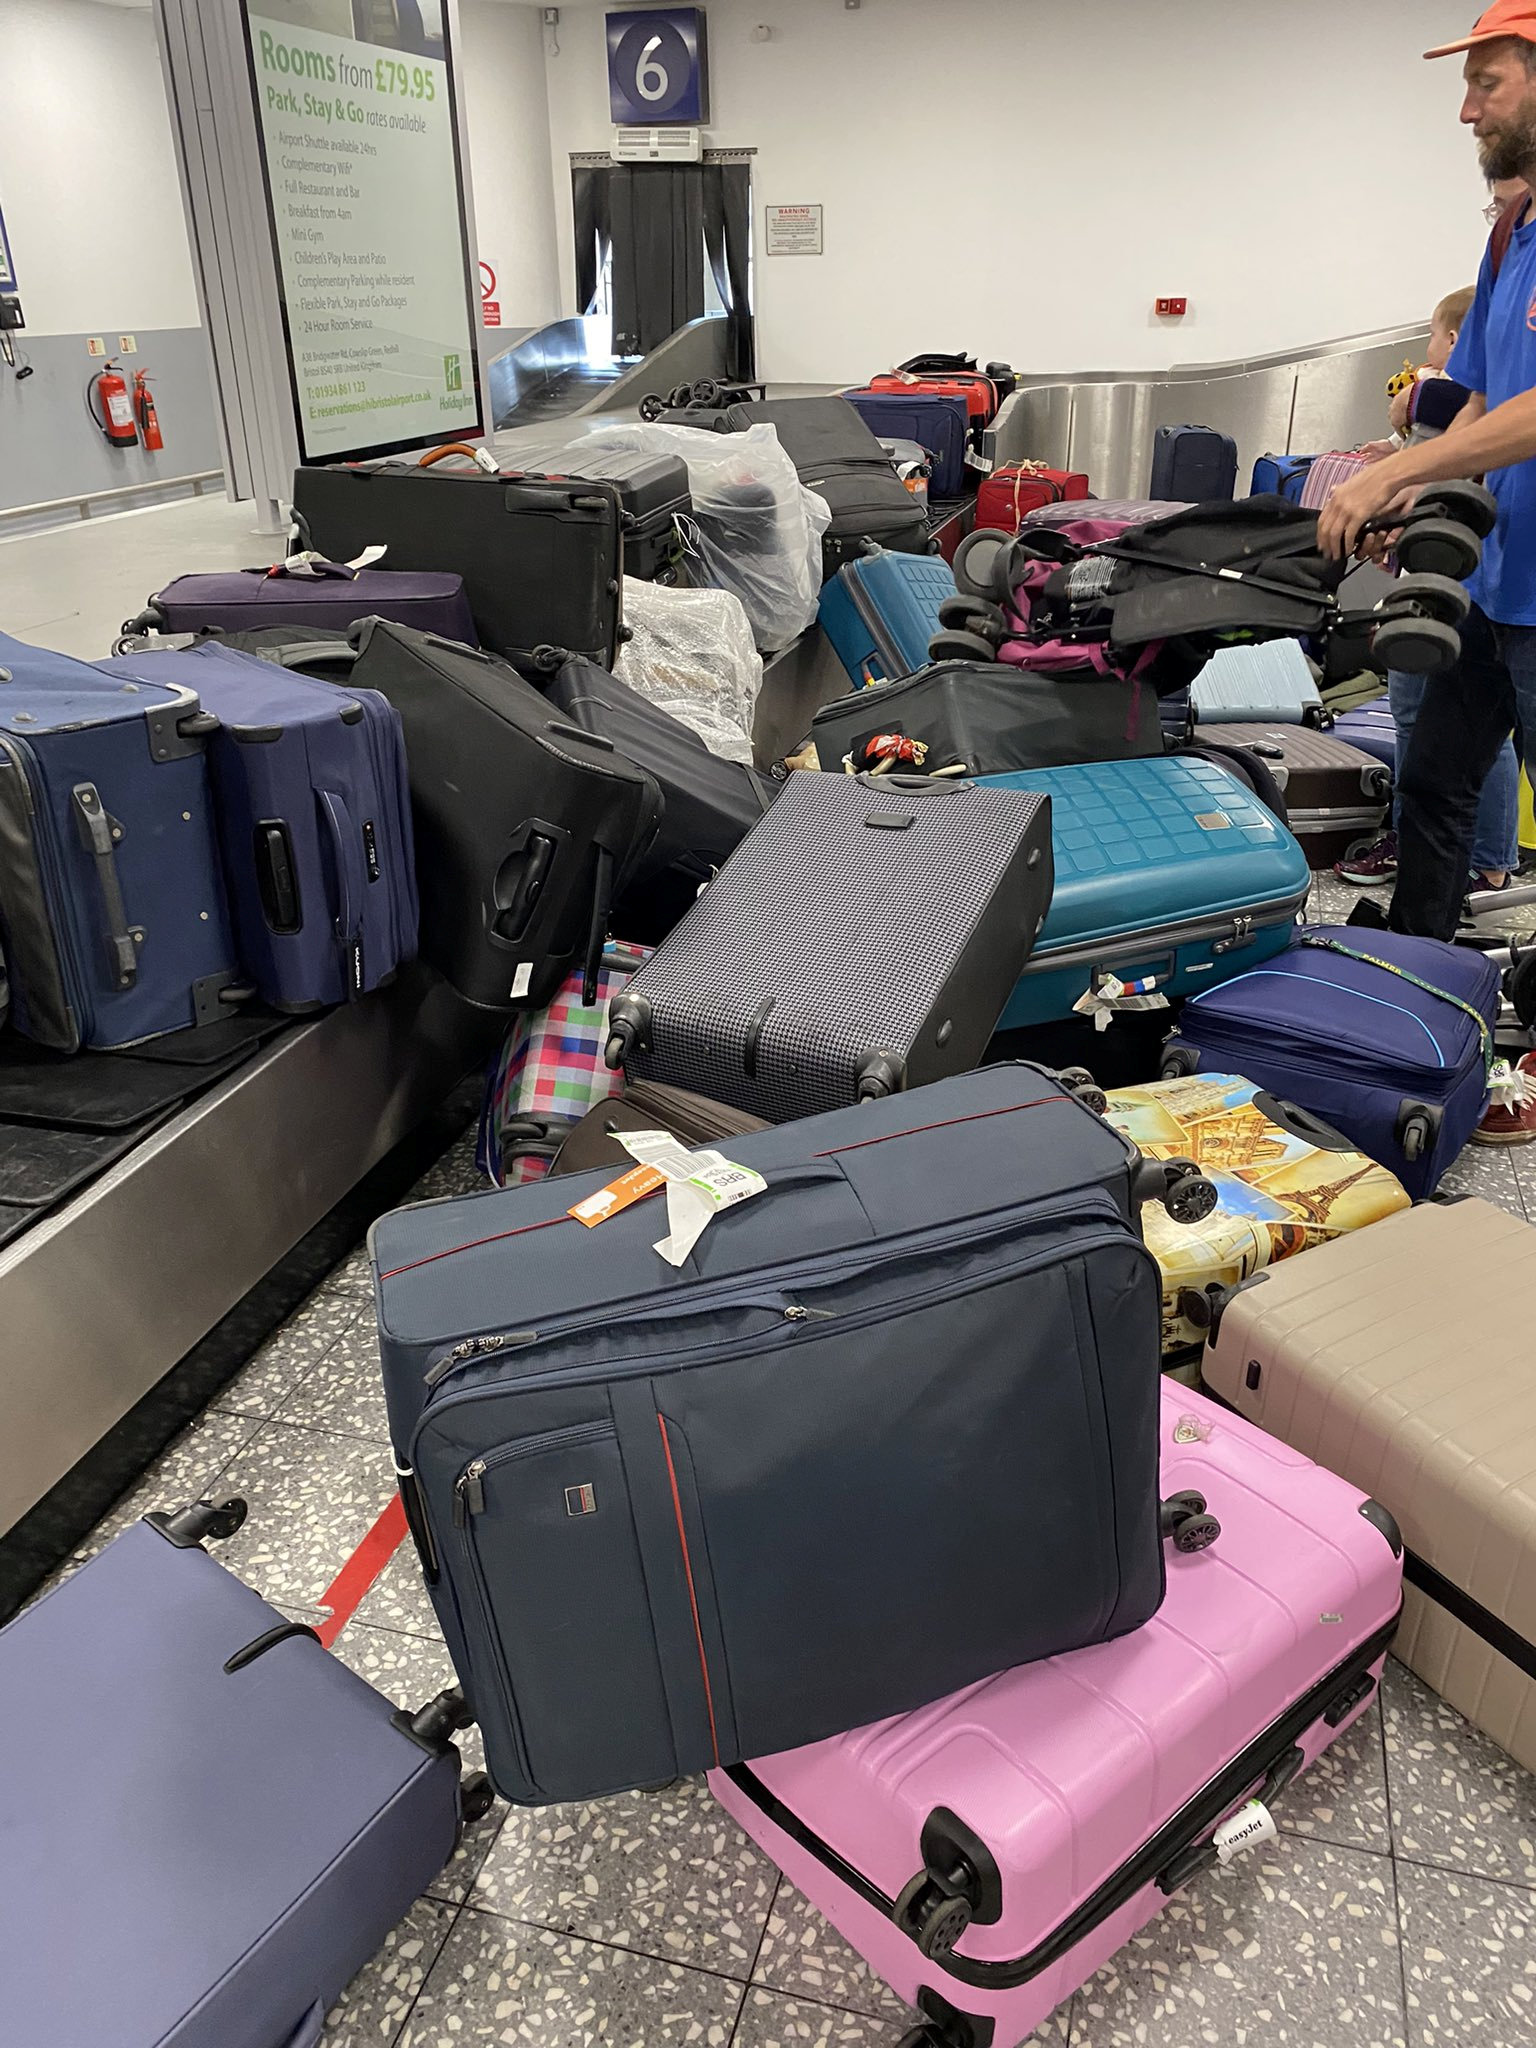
(1503, 18)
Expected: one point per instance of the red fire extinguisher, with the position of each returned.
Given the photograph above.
(115, 418)
(144, 412)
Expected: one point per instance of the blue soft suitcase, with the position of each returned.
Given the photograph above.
(1268, 682)
(940, 423)
(1395, 1055)
(1281, 476)
(314, 821)
(209, 1823)
(115, 919)
(881, 611)
(1372, 728)
(1169, 874)
(1193, 463)
(675, 1512)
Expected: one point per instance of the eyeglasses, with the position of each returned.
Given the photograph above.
(1492, 211)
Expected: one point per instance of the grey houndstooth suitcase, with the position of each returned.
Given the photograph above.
(862, 939)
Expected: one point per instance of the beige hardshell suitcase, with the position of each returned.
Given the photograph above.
(1404, 1358)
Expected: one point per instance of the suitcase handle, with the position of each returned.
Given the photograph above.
(1200, 1855)
(99, 835)
(351, 881)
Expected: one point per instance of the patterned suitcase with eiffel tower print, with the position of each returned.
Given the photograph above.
(1287, 1182)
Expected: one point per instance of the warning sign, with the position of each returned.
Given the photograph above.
(490, 305)
(793, 231)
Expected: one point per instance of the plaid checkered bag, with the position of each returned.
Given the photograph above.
(549, 1073)
(1327, 473)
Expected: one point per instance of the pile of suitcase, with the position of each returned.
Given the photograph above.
(794, 1408)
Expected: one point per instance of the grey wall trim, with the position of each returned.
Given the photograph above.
(52, 451)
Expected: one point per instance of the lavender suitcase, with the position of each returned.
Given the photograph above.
(988, 1853)
(314, 822)
(209, 1823)
(318, 594)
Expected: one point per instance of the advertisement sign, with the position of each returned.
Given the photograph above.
(657, 67)
(355, 106)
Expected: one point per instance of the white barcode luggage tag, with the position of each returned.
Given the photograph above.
(699, 1186)
(1250, 1825)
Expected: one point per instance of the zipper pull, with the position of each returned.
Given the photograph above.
(469, 1493)
(475, 1347)
(796, 1314)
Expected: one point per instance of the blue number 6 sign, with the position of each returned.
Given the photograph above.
(657, 70)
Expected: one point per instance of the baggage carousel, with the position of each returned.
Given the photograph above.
(151, 1231)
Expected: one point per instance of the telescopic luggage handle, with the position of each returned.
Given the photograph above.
(99, 835)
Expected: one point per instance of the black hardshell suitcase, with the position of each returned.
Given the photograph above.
(653, 496)
(838, 457)
(542, 561)
(645, 1106)
(891, 1427)
(525, 825)
(861, 941)
(990, 718)
(710, 805)
(1335, 794)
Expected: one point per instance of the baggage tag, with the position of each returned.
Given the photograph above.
(1250, 1825)
(699, 1186)
(1111, 995)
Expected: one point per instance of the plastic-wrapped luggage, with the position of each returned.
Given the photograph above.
(308, 592)
(691, 654)
(1287, 1183)
(922, 1355)
(113, 908)
(1401, 1358)
(243, 1821)
(1388, 1038)
(862, 940)
(986, 1854)
(837, 457)
(1170, 875)
(314, 817)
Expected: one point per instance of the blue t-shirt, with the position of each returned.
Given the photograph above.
(1495, 353)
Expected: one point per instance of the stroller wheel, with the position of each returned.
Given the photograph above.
(1437, 597)
(961, 646)
(652, 406)
(1416, 646)
(978, 561)
(706, 391)
(679, 397)
(1439, 547)
(974, 615)
(1469, 504)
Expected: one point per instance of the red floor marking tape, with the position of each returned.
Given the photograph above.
(351, 1585)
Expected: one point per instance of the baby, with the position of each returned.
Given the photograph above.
(1419, 411)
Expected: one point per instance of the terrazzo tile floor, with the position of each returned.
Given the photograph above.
(1397, 1909)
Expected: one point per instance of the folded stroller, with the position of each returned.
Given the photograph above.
(1153, 602)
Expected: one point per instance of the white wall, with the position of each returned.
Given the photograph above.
(1024, 177)
(501, 77)
(88, 181)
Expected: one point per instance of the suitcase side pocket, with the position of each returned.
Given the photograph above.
(39, 971)
(547, 1528)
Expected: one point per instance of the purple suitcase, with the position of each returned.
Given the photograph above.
(319, 594)
(987, 1854)
(314, 817)
(1372, 729)
(232, 1821)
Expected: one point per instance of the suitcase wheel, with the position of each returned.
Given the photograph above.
(1185, 1522)
(1439, 547)
(1198, 1533)
(935, 1919)
(1190, 1198)
(475, 1797)
(1179, 1064)
(1079, 1082)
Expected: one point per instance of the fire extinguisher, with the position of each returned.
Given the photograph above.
(115, 418)
(144, 412)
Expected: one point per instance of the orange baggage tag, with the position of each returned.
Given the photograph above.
(633, 1186)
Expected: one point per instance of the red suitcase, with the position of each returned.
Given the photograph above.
(988, 1853)
(979, 392)
(1022, 487)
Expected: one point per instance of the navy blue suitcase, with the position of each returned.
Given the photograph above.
(881, 611)
(890, 1427)
(1281, 476)
(1193, 463)
(937, 422)
(1372, 728)
(314, 821)
(236, 1821)
(1401, 1071)
(115, 920)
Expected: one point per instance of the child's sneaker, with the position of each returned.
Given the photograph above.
(1510, 1118)
(1374, 863)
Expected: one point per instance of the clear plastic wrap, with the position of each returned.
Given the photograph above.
(692, 655)
(756, 530)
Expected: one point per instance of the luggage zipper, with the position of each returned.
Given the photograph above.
(645, 1308)
(469, 1487)
(1229, 929)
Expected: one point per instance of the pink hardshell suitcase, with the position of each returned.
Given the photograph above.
(987, 1854)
